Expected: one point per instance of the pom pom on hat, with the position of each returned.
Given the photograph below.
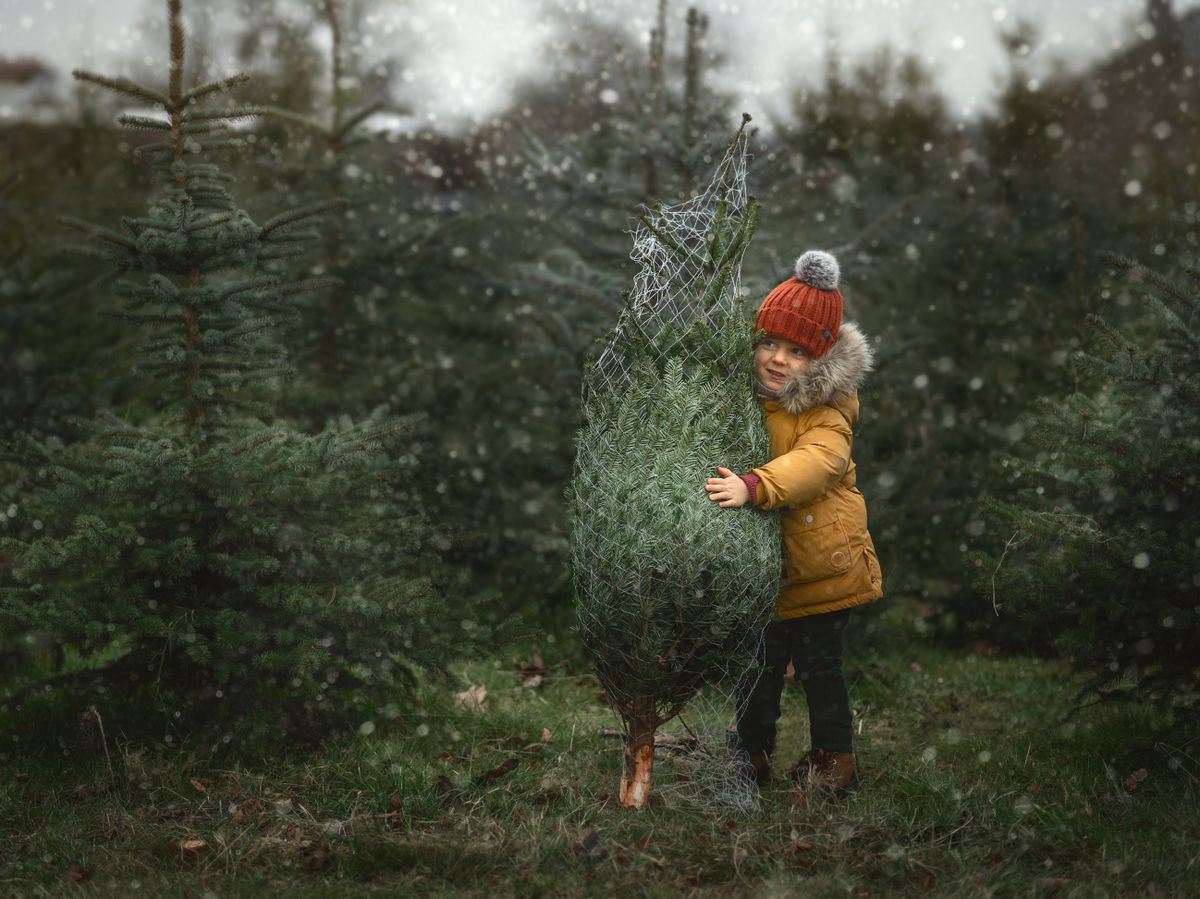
(818, 269)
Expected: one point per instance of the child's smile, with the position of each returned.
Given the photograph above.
(777, 359)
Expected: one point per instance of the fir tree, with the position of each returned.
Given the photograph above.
(1103, 553)
(223, 558)
(388, 240)
(670, 589)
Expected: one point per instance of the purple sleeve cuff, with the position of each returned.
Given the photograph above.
(751, 482)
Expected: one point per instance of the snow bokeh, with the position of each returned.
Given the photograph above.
(459, 62)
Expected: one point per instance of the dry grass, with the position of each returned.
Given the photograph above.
(976, 785)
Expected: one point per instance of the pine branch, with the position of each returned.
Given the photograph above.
(298, 215)
(358, 118)
(295, 118)
(258, 284)
(664, 238)
(260, 441)
(741, 238)
(387, 432)
(1150, 276)
(98, 232)
(144, 123)
(197, 116)
(124, 86)
(309, 286)
(214, 87)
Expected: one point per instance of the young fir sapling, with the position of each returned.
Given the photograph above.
(200, 547)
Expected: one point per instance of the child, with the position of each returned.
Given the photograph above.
(808, 368)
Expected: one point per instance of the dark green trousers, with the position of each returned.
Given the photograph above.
(813, 644)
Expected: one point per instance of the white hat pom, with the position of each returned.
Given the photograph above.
(818, 269)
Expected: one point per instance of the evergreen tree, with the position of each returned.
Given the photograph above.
(671, 591)
(389, 240)
(1103, 553)
(36, 385)
(221, 557)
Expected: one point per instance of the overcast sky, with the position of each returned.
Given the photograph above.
(469, 52)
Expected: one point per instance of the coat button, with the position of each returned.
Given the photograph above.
(839, 559)
(808, 519)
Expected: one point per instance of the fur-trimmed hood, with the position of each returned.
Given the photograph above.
(837, 373)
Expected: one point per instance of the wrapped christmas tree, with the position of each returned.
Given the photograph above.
(672, 591)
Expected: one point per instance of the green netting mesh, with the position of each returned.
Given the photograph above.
(672, 592)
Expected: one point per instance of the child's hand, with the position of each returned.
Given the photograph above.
(728, 491)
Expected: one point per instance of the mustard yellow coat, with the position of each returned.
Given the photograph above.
(829, 559)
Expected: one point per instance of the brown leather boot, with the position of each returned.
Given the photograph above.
(822, 771)
(755, 767)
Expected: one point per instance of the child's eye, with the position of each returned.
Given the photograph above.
(799, 354)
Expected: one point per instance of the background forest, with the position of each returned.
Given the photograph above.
(330, 534)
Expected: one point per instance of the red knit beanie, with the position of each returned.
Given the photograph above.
(806, 309)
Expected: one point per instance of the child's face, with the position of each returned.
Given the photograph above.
(775, 359)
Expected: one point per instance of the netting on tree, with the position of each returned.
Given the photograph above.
(689, 275)
(672, 592)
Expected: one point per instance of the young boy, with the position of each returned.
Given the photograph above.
(809, 367)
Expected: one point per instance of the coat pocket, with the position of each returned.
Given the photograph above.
(815, 546)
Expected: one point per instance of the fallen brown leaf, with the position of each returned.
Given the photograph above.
(198, 787)
(916, 667)
(78, 875)
(474, 698)
(588, 849)
(333, 827)
(1134, 780)
(191, 848)
(393, 818)
(1053, 885)
(316, 858)
(496, 773)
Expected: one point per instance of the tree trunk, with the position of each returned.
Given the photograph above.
(639, 754)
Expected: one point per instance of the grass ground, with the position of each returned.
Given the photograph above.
(976, 784)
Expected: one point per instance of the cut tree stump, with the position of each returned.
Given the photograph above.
(639, 753)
